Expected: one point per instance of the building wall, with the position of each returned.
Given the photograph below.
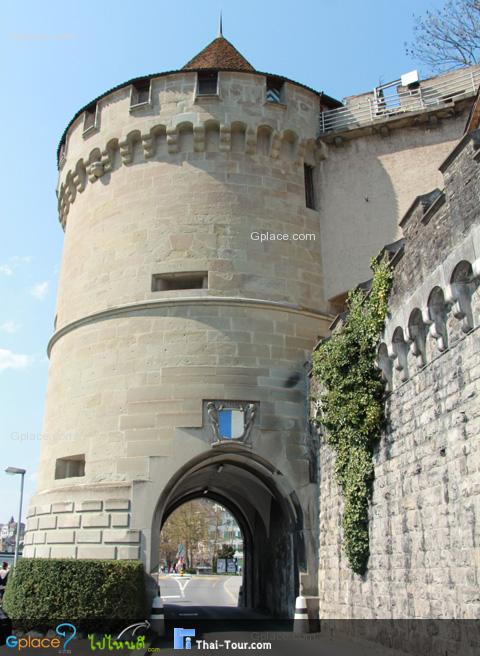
(425, 508)
(366, 184)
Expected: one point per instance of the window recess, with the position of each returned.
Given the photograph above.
(166, 282)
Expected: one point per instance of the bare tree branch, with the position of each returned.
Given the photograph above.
(449, 37)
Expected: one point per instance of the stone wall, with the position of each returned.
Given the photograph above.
(424, 516)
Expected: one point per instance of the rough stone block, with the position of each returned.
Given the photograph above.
(102, 551)
(128, 553)
(43, 510)
(41, 551)
(89, 536)
(62, 507)
(32, 523)
(69, 521)
(128, 535)
(39, 537)
(117, 504)
(64, 552)
(88, 506)
(47, 521)
(120, 520)
(61, 537)
(96, 521)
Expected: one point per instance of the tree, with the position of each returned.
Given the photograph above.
(226, 551)
(188, 525)
(449, 37)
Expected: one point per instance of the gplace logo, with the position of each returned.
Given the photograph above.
(66, 631)
(178, 638)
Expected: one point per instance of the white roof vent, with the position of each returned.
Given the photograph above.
(409, 78)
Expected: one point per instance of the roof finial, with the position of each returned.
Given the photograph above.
(220, 27)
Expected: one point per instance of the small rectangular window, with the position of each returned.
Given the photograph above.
(309, 188)
(140, 92)
(70, 467)
(207, 83)
(166, 282)
(274, 90)
(90, 116)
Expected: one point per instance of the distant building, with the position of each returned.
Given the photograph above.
(8, 534)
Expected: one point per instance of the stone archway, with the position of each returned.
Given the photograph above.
(270, 520)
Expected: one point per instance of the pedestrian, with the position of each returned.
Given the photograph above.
(3, 578)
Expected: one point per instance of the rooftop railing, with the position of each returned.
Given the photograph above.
(378, 106)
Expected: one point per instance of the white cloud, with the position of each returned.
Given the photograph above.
(9, 360)
(14, 262)
(21, 259)
(40, 290)
(10, 327)
(6, 270)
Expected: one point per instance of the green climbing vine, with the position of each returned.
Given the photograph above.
(351, 409)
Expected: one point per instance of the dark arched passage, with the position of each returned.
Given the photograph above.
(268, 514)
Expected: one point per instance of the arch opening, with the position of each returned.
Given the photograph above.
(268, 517)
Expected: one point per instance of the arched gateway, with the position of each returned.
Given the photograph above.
(177, 362)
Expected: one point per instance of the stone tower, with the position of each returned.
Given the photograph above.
(177, 361)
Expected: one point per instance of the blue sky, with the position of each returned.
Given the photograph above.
(56, 56)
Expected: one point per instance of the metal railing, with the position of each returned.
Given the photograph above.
(377, 107)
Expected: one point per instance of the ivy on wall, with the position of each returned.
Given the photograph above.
(351, 409)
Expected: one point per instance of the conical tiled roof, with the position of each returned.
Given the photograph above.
(219, 54)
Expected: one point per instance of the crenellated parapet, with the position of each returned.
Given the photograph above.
(435, 299)
(166, 142)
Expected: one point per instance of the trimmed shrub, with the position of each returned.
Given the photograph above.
(91, 594)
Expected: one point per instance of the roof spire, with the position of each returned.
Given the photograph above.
(220, 27)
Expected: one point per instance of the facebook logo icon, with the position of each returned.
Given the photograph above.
(182, 638)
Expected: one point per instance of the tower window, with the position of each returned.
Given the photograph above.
(70, 467)
(274, 90)
(90, 117)
(140, 92)
(309, 188)
(207, 83)
(167, 282)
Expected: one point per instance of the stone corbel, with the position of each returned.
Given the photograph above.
(302, 146)
(79, 177)
(107, 160)
(148, 144)
(199, 138)
(437, 335)
(172, 141)
(398, 353)
(456, 294)
(321, 152)
(95, 171)
(276, 145)
(250, 141)
(126, 151)
(413, 343)
(225, 138)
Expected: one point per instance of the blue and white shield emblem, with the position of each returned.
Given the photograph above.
(231, 423)
(231, 420)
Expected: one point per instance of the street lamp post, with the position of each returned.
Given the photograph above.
(13, 471)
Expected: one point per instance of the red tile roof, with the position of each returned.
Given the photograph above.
(219, 54)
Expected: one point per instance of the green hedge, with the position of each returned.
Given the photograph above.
(91, 594)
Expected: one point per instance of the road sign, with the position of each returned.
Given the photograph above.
(221, 565)
(231, 566)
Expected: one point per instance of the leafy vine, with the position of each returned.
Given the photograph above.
(351, 409)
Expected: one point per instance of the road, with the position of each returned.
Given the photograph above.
(200, 590)
(208, 604)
